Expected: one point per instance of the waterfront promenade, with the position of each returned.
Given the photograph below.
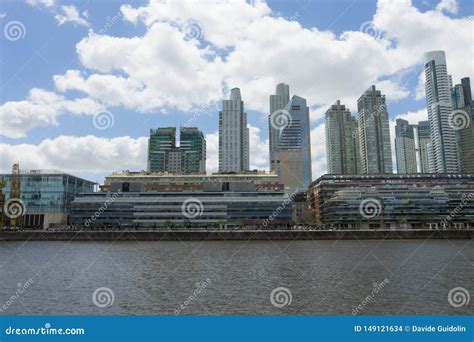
(222, 235)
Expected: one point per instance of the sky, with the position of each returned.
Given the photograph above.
(82, 82)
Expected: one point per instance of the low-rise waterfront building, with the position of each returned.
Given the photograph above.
(147, 200)
(47, 196)
(393, 201)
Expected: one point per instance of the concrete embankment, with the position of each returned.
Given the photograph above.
(200, 235)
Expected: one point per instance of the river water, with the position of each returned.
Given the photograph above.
(235, 277)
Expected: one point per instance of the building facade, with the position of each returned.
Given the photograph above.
(393, 201)
(374, 133)
(47, 196)
(277, 104)
(462, 120)
(342, 141)
(249, 200)
(405, 147)
(444, 154)
(234, 155)
(294, 146)
(193, 145)
(165, 156)
(161, 141)
(422, 135)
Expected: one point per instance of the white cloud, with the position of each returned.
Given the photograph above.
(2, 15)
(45, 3)
(450, 6)
(40, 109)
(69, 13)
(318, 151)
(86, 154)
(212, 152)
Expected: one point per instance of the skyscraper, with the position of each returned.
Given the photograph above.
(342, 142)
(462, 121)
(405, 147)
(161, 141)
(294, 146)
(277, 103)
(443, 149)
(423, 138)
(165, 156)
(233, 135)
(193, 145)
(374, 133)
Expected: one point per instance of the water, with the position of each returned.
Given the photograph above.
(156, 278)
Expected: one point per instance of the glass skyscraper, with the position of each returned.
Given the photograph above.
(193, 145)
(277, 103)
(294, 146)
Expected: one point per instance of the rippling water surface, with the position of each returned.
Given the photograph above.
(238, 277)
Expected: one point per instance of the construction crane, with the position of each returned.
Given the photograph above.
(2, 203)
(15, 194)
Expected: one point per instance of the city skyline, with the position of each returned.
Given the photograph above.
(90, 151)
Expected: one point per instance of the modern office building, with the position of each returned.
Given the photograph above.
(165, 156)
(294, 146)
(277, 104)
(374, 133)
(444, 154)
(161, 141)
(193, 145)
(393, 201)
(342, 141)
(249, 200)
(47, 196)
(234, 153)
(405, 147)
(463, 122)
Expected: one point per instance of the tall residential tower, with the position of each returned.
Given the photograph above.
(234, 153)
(342, 142)
(374, 133)
(443, 146)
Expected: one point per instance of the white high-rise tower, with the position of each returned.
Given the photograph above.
(443, 149)
(233, 135)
